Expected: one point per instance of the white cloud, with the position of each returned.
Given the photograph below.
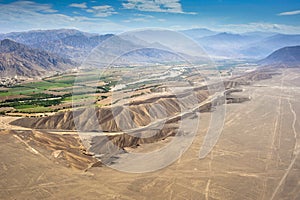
(102, 11)
(27, 6)
(98, 11)
(168, 6)
(25, 15)
(78, 5)
(295, 12)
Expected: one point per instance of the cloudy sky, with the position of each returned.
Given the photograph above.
(111, 16)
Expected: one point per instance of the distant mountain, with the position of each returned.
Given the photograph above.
(149, 46)
(226, 44)
(129, 50)
(287, 56)
(19, 59)
(228, 40)
(260, 34)
(198, 33)
(266, 46)
(152, 55)
(171, 41)
(77, 45)
(40, 36)
(170, 46)
(67, 43)
(254, 45)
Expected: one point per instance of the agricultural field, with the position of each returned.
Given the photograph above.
(54, 93)
(99, 87)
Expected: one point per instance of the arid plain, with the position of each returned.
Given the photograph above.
(256, 157)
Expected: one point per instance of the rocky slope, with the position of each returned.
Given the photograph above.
(68, 43)
(118, 118)
(21, 60)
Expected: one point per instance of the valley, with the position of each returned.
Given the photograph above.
(146, 117)
(149, 100)
(256, 156)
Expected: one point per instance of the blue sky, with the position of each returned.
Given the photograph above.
(106, 16)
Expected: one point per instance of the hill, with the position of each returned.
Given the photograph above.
(287, 56)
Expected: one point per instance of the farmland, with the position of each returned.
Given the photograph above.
(54, 93)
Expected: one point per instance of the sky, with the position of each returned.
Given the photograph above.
(113, 16)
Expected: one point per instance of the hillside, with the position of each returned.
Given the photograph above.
(114, 119)
(287, 56)
(77, 45)
(21, 60)
(68, 43)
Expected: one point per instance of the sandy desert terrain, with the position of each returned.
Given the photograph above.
(256, 157)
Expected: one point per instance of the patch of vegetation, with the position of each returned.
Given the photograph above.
(31, 103)
(76, 97)
(39, 96)
(35, 109)
(45, 85)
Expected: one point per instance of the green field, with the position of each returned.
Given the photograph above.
(41, 96)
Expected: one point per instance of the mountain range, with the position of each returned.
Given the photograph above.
(252, 45)
(77, 45)
(266, 46)
(34, 52)
(134, 49)
(68, 43)
(198, 33)
(19, 59)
